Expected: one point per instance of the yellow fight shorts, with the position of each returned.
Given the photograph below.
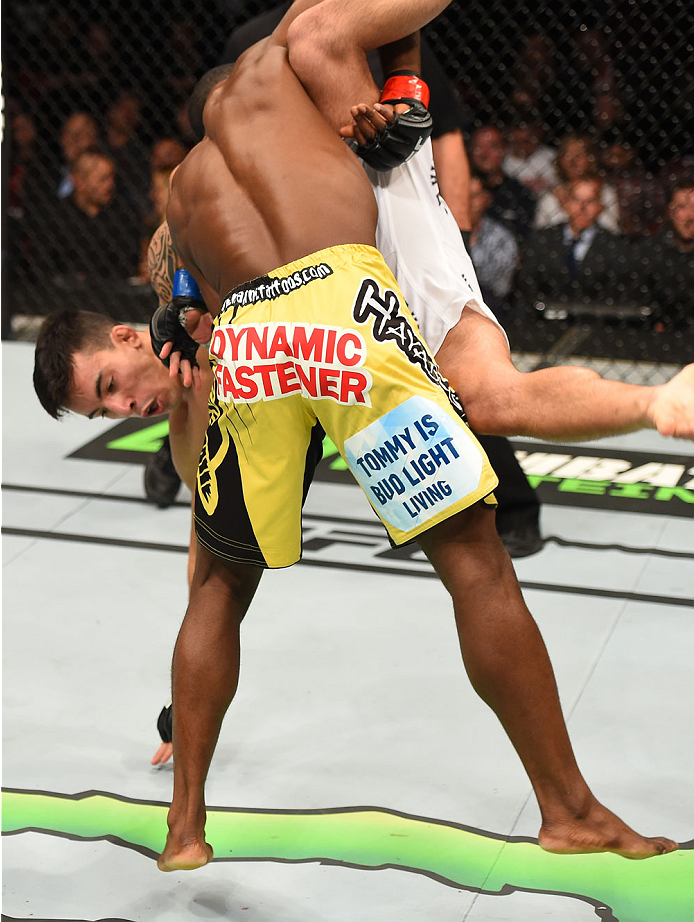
(327, 341)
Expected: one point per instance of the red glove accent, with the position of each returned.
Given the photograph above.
(404, 85)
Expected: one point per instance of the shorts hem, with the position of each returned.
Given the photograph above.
(480, 494)
(246, 560)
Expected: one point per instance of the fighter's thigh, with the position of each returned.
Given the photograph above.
(230, 582)
(475, 357)
(251, 479)
(465, 547)
(409, 448)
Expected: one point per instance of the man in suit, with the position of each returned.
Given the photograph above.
(577, 261)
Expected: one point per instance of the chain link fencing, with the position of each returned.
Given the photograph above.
(577, 123)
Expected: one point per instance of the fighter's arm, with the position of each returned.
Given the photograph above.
(394, 129)
(326, 45)
(187, 425)
(163, 262)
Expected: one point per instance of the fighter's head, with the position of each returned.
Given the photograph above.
(198, 97)
(86, 364)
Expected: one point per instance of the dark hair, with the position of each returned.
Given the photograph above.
(596, 178)
(681, 183)
(198, 97)
(62, 334)
(481, 179)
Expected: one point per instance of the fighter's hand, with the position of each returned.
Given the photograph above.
(190, 373)
(165, 728)
(163, 754)
(199, 326)
(179, 327)
(368, 121)
(400, 130)
(199, 330)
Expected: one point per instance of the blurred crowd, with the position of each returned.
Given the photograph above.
(572, 203)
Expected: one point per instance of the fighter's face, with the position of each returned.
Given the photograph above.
(126, 380)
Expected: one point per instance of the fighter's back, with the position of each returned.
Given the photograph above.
(270, 183)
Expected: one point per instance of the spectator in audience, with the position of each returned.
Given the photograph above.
(22, 167)
(493, 249)
(22, 140)
(575, 159)
(79, 133)
(641, 198)
(666, 262)
(127, 149)
(93, 234)
(49, 186)
(527, 159)
(166, 154)
(577, 260)
(675, 171)
(679, 235)
(512, 204)
(607, 114)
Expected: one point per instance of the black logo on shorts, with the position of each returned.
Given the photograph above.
(390, 324)
(265, 288)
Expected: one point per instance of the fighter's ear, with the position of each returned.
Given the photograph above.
(122, 334)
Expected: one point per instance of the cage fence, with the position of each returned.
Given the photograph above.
(577, 121)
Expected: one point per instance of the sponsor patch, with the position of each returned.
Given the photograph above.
(268, 361)
(389, 324)
(267, 288)
(412, 463)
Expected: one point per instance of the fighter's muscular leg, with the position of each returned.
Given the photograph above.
(508, 665)
(564, 403)
(205, 675)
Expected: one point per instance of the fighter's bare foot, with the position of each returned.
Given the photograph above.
(600, 831)
(672, 406)
(184, 855)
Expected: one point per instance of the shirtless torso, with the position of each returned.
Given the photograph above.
(274, 198)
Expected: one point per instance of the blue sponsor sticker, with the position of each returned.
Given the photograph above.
(414, 462)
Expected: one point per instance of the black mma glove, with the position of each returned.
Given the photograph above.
(168, 323)
(402, 138)
(165, 724)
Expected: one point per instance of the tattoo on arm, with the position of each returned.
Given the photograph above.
(162, 263)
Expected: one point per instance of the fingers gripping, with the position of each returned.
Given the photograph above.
(401, 138)
(168, 323)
